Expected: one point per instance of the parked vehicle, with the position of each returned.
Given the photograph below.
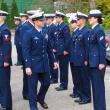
(107, 39)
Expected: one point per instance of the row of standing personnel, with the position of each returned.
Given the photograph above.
(76, 54)
(85, 49)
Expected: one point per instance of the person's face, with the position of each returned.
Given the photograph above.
(17, 22)
(92, 20)
(74, 25)
(58, 19)
(23, 19)
(2, 18)
(39, 23)
(49, 21)
(81, 22)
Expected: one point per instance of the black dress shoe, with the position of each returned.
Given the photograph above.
(78, 100)
(18, 64)
(74, 96)
(43, 104)
(4, 108)
(53, 82)
(71, 95)
(84, 102)
(60, 88)
(25, 98)
(9, 108)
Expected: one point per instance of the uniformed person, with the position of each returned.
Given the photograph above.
(17, 42)
(36, 51)
(62, 49)
(51, 30)
(5, 63)
(24, 18)
(74, 69)
(80, 56)
(97, 59)
(27, 24)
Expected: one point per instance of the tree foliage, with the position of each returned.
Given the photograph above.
(4, 7)
(104, 6)
(14, 12)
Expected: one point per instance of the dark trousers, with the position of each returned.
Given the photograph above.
(98, 88)
(85, 83)
(19, 54)
(5, 89)
(53, 72)
(85, 87)
(63, 66)
(75, 78)
(25, 83)
(44, 79)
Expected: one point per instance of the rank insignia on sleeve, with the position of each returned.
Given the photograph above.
(101, 38)
(6, 38)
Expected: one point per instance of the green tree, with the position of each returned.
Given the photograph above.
(54, 0)
(106, 23)
(101, 2)
(4, 7)
(14, 12)
(104, 6)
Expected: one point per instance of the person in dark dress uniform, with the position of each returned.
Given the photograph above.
(80, 57)
(36, 52)
(74, 69)
(17, 21)
(24, 18)
(96, 59)
(5, 63)
(51, 30)
(61, 48)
